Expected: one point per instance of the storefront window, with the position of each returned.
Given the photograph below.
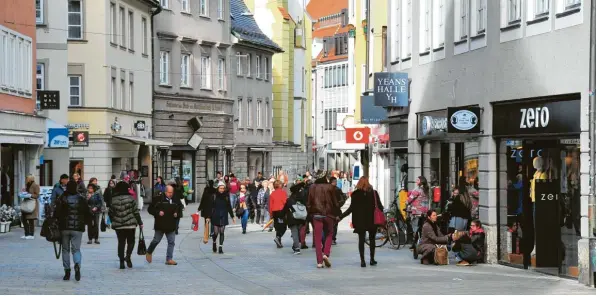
(182, 167)
(212, 164)
(522, 165)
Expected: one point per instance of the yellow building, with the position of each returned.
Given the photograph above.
(287, 23)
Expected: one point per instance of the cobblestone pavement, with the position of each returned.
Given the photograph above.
(253, 265)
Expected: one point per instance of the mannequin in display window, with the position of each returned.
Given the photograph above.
(540, 174)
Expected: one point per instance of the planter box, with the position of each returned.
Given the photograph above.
(4, 227)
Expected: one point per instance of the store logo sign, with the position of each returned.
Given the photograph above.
(534, 117)
(430, 124)
(464, 120)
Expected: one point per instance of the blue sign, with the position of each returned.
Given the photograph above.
(57, 137)
(371, 114)
(390, 89)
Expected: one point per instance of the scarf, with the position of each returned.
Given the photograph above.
(477, 231)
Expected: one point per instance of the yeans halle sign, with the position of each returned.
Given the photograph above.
(390, 89)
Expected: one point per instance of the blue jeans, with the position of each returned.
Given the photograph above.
(458, 223)
(157, 238)
(233, 200)
(244, 219)
(71, 242)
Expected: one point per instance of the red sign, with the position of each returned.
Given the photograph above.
(358, 135)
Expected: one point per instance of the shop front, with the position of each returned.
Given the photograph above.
(539, 183)
(449, 140)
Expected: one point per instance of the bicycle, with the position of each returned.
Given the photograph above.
(395, 229)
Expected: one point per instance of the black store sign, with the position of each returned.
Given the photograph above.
(80, 139)
(464, 120)
(537, 117)
(48, 99)
(547, 223)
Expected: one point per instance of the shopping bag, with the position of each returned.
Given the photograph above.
(206, 232)
(103, 225)
(108, 222)
(267, 224)
(195, 223)
(141, 248)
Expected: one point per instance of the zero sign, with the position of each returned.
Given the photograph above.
(358, 135)
(549, 196)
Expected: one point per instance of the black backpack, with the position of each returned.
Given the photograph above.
(51, 230)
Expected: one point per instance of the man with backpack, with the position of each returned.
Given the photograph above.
(296, 214)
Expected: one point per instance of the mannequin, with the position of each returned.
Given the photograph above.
(540, 174)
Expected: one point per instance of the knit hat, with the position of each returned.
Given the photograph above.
(221, 184)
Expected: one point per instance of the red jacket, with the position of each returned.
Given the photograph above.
(277, 200)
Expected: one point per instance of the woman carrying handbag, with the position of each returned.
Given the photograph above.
(365, 206)
(124, 214)
(30, 207)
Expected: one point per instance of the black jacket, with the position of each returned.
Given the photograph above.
(458, 209)
(72, 211)
(179, 195)
(289, 210)
(471, 248)
(362, 205)
(341, 197)
(108, 192)
(221, 209)
(206, 203)
(124, 212)
(167, 222)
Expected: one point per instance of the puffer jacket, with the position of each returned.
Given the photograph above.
(124, 212)
(72, 212)
(96, 201)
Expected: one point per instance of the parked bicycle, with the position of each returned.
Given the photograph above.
(395, 229)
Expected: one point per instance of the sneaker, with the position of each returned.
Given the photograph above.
(319, 265)
(89, 242)
(463, 263)
(171, 262)
(334, 243)
(30, 237)
(327, 261)
(278, 242)
(148, 257)
(220, 251)
(214, 247)
(24, 237)
(304, 247)
(297, 252)
(97, 242)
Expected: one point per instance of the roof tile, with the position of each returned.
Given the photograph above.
(246, 29)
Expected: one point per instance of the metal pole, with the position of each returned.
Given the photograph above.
(592, 139)
(368, 39)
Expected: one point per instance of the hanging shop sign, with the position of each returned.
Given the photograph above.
(358, 135)
(432, 125)
(140, 125)
(390, 89)
(537, 117)
(80, 139)
(370, 113)
(48, 99)
(464, 119)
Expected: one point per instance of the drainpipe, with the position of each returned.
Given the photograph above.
(154, 150)
(367, 53)
(592, 140)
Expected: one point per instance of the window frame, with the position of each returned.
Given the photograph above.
(481, 16)
(165, 4)
(122, 22)
(113, 94)
(81, 18)
(184, 9)
(113, 23)
(123, 93)
(131, 95)
(537, 12)
(40, 75)
(571, 4)
(221, 73)
(145, 33)
(206, 72)
(39, 20)
(258, 65)
(79, 86)
(249, 57)
(464, 19)
(513, 15)
(239, 64)
(131, 27)
(164, 67)
(267, 68)
(185, 69)
(240, 111)
(221, 8)
(204, 8)
(249, 117)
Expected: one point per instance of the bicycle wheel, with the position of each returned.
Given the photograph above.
(381, 237)
(393, 235)
(402, 234)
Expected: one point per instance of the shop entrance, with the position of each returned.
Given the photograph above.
(546, 172)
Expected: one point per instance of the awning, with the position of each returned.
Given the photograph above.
(143, 141)
(21, 137)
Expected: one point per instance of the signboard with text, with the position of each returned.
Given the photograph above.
(547, 221)
(464, 119)
(80, 139)
(371, 114)
(390, 89)
(48, 99)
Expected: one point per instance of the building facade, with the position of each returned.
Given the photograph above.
(51, 75)
(192, 104)
(287, 23)
(110, 106)
(251, 86)
(23, 131)
(494, 114)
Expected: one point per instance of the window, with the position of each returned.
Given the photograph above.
(203, 9)
(464, 19)
(131, 30)
(185, 70)
(144, 31)
(258, 65)
(424, 43)
(164, 3)
(113, 96)
(16, 65)
(39, 11)
(481, 9)
(572, 4)
(439, 31)
(185, 6)
(221, 9)
(249, 118)
(541, 8)
(513, 11)
(406, 29)
(240, 112)
(266, 114)
(113, 24)
(384, 42)
(221, 74)
(75, 19)
(267, 68)
(205, 72)
(122, 93)
(75, 90)
(239, 65)
(303, 79)
(397, 30)
(122, 26)
(164, 67)
(258, 117)
(249, 57)
(131, 95)
(40, 81)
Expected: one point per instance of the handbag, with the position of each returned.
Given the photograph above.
(141, 248)
(28, 205)
(379, 219)
(195, 221)
(300, 211)
(440, 256)
(206, 232)
(51, 230)
(103, 225)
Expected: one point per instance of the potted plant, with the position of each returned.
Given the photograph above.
(7, 215)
